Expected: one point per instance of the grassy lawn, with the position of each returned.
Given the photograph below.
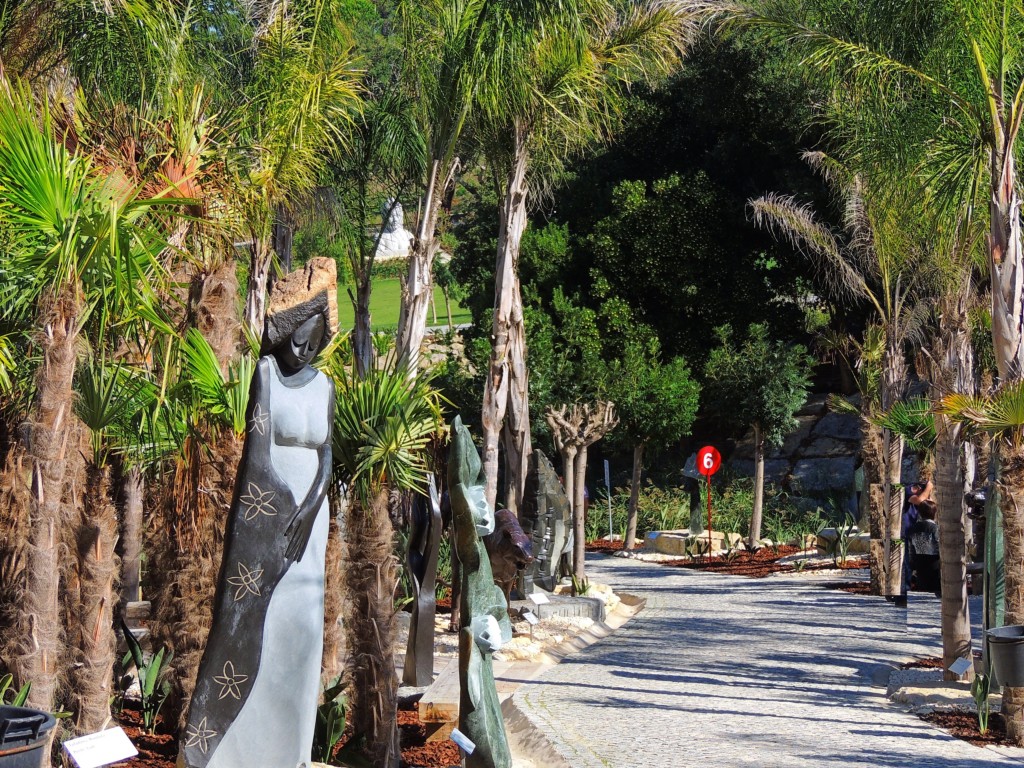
(386, 302)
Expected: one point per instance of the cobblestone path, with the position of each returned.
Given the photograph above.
(723, 671)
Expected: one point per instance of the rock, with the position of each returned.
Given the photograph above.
(838, 426)
(822, 475)
(829, 447)
(775, 470)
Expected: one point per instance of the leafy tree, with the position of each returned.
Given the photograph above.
(759, 384)
(656, 403)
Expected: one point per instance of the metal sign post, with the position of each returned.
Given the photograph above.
(608, 486)
(708, 462)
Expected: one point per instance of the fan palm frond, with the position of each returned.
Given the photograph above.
(1001, 413)
(383, 425)
(914, 420)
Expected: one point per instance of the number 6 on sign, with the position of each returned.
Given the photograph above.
(708, 460)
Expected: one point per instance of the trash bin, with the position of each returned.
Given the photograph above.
(24, 737)
(1006, 649)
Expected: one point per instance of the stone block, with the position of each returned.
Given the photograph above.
(775, 470)
(838, 426)
(823, 475)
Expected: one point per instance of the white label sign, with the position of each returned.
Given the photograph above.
(539, 598)
(960, 666)
(463, 741)
(100, 748)
(531, 618)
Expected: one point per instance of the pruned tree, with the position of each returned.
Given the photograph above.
(574, 429)
(759, 384)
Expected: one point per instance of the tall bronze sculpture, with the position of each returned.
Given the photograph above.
(256, 695)
(425, 530)
(485, 623)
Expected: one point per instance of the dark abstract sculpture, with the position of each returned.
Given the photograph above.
(546, 518)
(510, 551)
(485, 619)
(424, 542)
(256, 694)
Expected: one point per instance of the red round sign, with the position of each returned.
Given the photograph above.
(708, 460)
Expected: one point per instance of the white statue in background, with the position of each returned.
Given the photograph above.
(396, 240)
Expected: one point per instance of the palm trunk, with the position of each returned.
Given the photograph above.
(1007, 275)
(362, 337)
(894, 548)
(283, 237)
(333, 595)
(634, 495)
(755, 517)
(260, 258)
(952, 370)
(97, 536)
(579, 517)
(371, 578)
(39, 622)
(874, 463)
(1011, 502)
(132, 490)
(516, 431)
(188, 545)
(950, 486)
(512, 224)
(418, 287)
(448, 307)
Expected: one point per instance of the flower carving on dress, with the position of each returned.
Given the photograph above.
(247, 581)
(259, 420)
(229, 680)
(257, 502)
(199, 736)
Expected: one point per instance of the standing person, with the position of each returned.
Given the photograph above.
(916, 493)
(923, 548)
(259, 681)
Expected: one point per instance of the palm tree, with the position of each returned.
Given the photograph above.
(83, 238)
(110, 397)
(873, 263)
(458, 45)
(383, 426)
(302, 93)
(960, 63)
(558, 93)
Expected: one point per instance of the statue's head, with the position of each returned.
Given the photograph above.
(466, 473)
(395, 218)
(486, 633)
(301, 314)
(303, 345)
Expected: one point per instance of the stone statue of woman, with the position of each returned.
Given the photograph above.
(485, 623)
(256, 695)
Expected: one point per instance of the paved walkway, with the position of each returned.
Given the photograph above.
(723, 671)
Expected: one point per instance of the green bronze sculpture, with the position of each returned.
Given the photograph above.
(485, 619)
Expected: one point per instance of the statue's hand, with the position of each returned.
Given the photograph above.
(297, 533)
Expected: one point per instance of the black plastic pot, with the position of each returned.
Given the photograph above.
(1006, 649)
(24, 736)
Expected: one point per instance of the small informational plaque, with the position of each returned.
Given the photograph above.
(539, 598)
(100, 748)
(463, 742)
(531, 618)
(960, 667)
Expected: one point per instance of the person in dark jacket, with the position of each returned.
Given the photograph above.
(923, 542)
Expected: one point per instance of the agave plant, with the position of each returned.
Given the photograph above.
(383, 425)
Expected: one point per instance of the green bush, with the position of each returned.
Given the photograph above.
(392, 269)
(732, 501)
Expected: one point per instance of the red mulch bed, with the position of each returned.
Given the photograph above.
(964, 725)
(759, 564)
(160, 750)
(756, 565)
(605, 547)
(929, 662)
(853, 587)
